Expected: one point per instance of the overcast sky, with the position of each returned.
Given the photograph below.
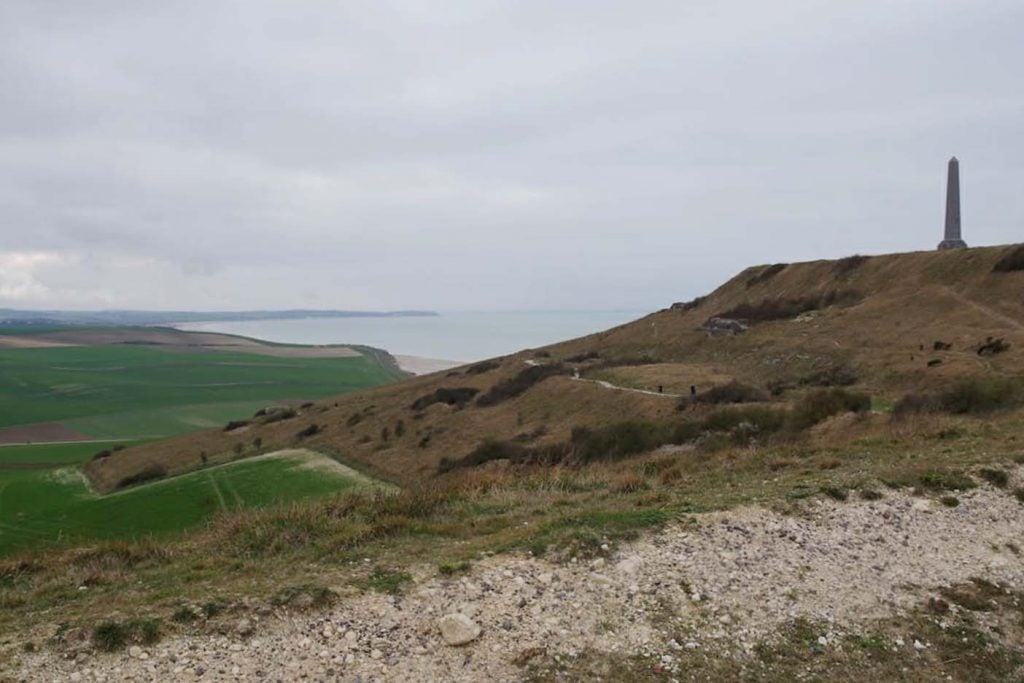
(473, 154)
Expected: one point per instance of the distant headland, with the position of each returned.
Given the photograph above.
(13, 317)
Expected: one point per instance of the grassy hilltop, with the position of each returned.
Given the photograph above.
(868, 325)
(890, 378)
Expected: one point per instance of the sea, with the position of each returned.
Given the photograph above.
(464, 336)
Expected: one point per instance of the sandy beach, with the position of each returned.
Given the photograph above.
(424, 366)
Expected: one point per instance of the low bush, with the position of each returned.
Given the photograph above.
(685, 306)
(458, 396)
(945, 480)
(839, 375)
(1012, 260)
(102, 455)
(520, 383)
(311, 430)
(271, 415)
(995, 476)
(765, 274)
(482, 367)
(993, 346)
(744, 425)
(583, 357)
(149, 473)
(845, 266)
(490, 449)
(235, 424)
(821, 404)
(111, 636)
(783, 309)
(980, 395)
(733, 392)
(616, 441)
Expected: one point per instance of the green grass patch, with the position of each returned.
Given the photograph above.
(131, 391)
(40, 507)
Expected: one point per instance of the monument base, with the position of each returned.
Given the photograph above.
(952, 244)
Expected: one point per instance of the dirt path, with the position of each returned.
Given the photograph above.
(990, 312)
(608, 385)
(719, 585)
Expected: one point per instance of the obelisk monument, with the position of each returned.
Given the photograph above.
(953, 239)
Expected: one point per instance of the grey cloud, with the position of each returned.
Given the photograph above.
(488, 154)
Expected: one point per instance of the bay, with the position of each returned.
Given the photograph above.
(458, 336)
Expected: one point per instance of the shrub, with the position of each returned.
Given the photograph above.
(109, 636)
(271, 415)
(915, 403)
(385, 581)
(102, 455)
(835, 492)
(311, 430)
(615, 441)
(112, 635)
(482, 367)
(995, 476)
(400, 429)
(945, 480)
(520, 383)
(1012, 260)
(235, 424)
(733, 392)
(824, 403)
(453, 568)
(149, 473)
(980, 395)
(685, 306)
(839, 375)
(354, 419)
(583, 357)
(765, 274)
(459, 396)
(490, 449)
(782, 309)
(950, 501)
(745, 423)
(870, 494)
(845, 266)
(993, 346)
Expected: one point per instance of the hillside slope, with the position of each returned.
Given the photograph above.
(874, 321)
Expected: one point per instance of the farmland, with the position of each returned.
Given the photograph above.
(116, 392)
(63, 400)
(45, 505)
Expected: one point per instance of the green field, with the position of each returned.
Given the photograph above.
(136, 392)
(53, 505)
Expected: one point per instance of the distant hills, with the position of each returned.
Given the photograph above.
(19, 318)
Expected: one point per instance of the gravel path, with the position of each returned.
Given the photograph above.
(730, 578)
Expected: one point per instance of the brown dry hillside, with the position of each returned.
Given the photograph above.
(872, 320)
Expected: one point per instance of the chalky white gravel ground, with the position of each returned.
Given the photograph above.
(729, 578)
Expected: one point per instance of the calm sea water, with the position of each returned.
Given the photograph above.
(462, 336)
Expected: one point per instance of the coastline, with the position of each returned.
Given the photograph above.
(418, 365)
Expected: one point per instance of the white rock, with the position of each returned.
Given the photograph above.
(630, 565)
(244, 627)
(135, 651)
(458, 629)
(376, 654)
(546, 578)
